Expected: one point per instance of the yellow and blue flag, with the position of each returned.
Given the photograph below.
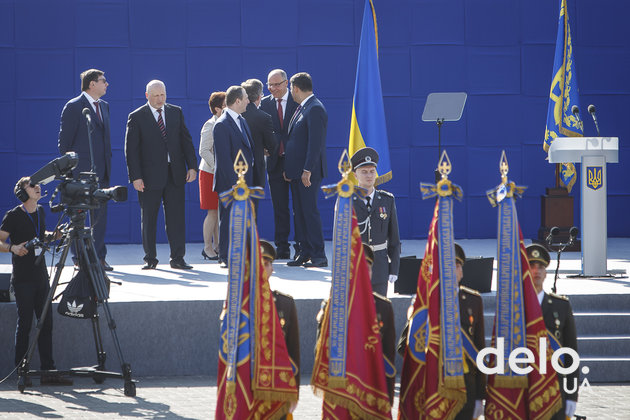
(563, 96)
(367, 127)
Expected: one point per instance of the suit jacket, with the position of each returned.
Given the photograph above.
(206, 146)
(147, 152)
(228, 140)
(379, 226)
(261, 127)
(73, 136)
(471, 317)
(306, 148)
(559, 320)
(270, 106)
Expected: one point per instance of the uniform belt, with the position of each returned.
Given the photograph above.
(379, 247)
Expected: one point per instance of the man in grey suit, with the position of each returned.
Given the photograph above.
(161, 159)
(73, 137)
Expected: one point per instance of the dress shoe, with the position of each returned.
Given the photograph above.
(28, 382)
(317, 263)
(223, 264)
(180, 264)
(298, 261)
(54, 379)
(106, 266)
(150, 265)
(283, 255)
(206, 257)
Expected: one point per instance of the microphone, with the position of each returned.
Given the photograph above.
(591, 110)
(553, 232)
(86, 114)
(575, 110)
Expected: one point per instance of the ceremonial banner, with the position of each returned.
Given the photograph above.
(518, 321)
(563, 96)
(349, 368)
(367, 123)
(432, 382)
(255, 374)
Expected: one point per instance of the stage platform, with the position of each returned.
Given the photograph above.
(167, 320)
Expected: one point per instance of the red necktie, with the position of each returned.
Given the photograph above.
(98, 111)
(281, 118)
(160, 122)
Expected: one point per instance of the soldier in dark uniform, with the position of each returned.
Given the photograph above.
(471, 314)
(378, 221)
(558, 317)
(285, 306)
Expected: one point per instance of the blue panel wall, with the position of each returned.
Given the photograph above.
(499, 52)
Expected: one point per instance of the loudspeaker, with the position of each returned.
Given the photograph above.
(407, 281)
(6, 290)
(478, 274)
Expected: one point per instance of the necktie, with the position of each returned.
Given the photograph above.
(98, 111)
(281, 118)
(367, 203)
(295, 114)
(160, 122)
(241, 122)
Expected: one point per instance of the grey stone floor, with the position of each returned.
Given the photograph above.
(194, 397)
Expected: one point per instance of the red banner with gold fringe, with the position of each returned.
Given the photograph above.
(423, 394)
(364, 394)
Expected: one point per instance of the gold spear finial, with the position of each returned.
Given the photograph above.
(344, 165)
(504, 168)
(241, 192)
(444, 165)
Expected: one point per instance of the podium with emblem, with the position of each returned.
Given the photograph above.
(593, 153)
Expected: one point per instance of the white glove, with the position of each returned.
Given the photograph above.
(393, 278)
(569, 411)
(478, 409)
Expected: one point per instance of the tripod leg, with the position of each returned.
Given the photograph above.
(97, 278)
(101, 356)
(23, 369)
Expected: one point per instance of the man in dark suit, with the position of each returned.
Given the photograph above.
(558, 317)
(281, 106)
(231, 134)
(161, 159)
(261, 128)
(73, 136)
(305, 166)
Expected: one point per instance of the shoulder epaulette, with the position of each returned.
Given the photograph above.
(385, 193)
(381, 297)
(469, 290)
(563, 297)
(278, 293)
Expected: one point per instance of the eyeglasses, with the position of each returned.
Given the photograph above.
(275, 85)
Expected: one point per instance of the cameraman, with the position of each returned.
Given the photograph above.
(29, 276)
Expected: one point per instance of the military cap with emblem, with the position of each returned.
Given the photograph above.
(538, 253)
(267, 250)
(460, 255)
(363, 157)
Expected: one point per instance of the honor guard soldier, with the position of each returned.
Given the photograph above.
(285, 306)
(471, 314)
(558, 317)
(378, 221)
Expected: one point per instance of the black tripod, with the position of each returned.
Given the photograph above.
(80, 236)
(559, 247)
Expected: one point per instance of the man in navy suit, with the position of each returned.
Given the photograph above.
(281, 106)
(231, 134)
(161, 159)
(73, 137)
(305, 166)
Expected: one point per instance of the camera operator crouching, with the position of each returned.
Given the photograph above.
(24, 226)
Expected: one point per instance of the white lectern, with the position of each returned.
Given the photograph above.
(593, 153)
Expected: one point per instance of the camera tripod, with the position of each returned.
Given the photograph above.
(80, 236)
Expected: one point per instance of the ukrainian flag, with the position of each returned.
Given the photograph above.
(367, 127)
(563, 95)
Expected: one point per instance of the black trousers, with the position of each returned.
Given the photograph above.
(30, 297)
(173, 199)
(280, 193)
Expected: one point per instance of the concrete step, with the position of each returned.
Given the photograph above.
(604, 346)
(605, 369)
(602, 323)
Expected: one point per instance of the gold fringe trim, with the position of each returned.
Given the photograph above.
(356, 409)
(454, 382)
(275, 396)
(337, 382)
(552, 411)
(510, 381)
(281, 412)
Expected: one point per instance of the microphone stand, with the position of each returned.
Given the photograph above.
(560, 247)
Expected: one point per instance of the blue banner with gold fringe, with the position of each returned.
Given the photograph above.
(563, 96)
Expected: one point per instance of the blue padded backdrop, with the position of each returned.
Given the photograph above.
(500, 52)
